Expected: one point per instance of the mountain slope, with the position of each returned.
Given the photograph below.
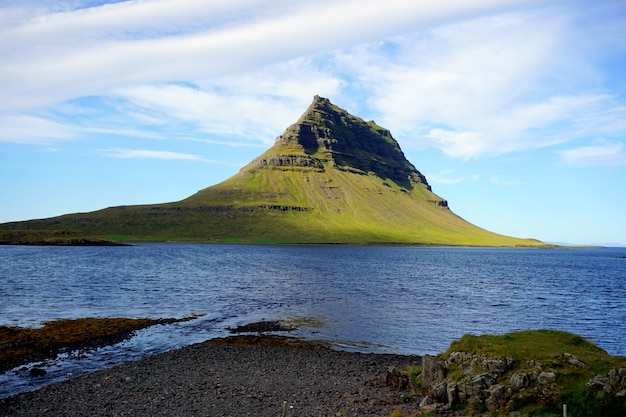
(329, 178)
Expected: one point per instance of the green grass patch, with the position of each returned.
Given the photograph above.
(554, 350)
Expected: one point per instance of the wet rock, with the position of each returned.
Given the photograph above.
(37, 372)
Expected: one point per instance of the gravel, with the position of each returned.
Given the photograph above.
(228, 380)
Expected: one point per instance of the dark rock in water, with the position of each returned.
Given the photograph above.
(37, 372)
(261, 327)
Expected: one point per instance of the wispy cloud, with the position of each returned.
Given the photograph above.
(149, 154)
(473, 80)
(139, 42)
(444, 177)
(605, 153)
(28, 129)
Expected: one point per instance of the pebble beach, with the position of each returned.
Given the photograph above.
(208, 379)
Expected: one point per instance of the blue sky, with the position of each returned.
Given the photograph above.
(514, 110)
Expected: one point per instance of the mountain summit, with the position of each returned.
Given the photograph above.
(331, 177)
(328, 133)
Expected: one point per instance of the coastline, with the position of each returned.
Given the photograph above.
(229, 378)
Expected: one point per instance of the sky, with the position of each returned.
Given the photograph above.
(514, 110)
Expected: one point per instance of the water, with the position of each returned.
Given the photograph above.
(412, 300)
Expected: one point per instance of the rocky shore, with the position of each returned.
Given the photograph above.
(208, 379)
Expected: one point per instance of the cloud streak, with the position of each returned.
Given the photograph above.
(609, 153)
(149, 154)
(118, 45)
(473, 80)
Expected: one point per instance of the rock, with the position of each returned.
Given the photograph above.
(37, 372)
(545, 378)
(519, 380)
(395, 379)
(535, 364)
(574, 361)
(430, 408)
(459, 358)
(614, 377)
(599, 383)
(440, 391)
(496, 396)
(426, 401)
(433, 371)
(451, 390)
(498, 365)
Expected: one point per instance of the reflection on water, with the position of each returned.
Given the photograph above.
(378, 299)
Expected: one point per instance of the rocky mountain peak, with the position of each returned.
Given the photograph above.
(338, 139)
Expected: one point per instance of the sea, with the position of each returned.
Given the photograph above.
(378, 299)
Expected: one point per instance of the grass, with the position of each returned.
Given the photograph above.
(542, 345)
(342, 208)
(359, 189)
(549, 347)
(53, 238)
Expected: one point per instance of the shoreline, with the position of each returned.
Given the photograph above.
(229, 377)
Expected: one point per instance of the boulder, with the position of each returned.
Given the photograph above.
(453, 395)
(499, 365)
(433, 371)
(546, 377)
(574, 361)
(496, 397)
(519, 380)
(599, 383)
(439, 391)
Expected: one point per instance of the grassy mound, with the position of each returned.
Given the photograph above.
(526, 373)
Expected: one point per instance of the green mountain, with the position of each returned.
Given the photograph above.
(329, 178)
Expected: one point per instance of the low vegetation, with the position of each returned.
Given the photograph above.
(53, 238)
(528, 373)
(21, 345)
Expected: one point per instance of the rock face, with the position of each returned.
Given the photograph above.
(614, 382)
(496, 384)
(350, 143)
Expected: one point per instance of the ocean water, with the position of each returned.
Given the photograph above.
(412, 300)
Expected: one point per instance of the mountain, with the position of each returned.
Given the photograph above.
(329, 178)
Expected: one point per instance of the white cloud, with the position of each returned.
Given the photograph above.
(486, 87)
(473, 80)
(255, 106)
(27, 129)
(444, 177)
(54, 57)
(605, 153)
(148, 154)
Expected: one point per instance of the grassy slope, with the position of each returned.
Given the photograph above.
(365, 193)
(342, 207)
(548, 347)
